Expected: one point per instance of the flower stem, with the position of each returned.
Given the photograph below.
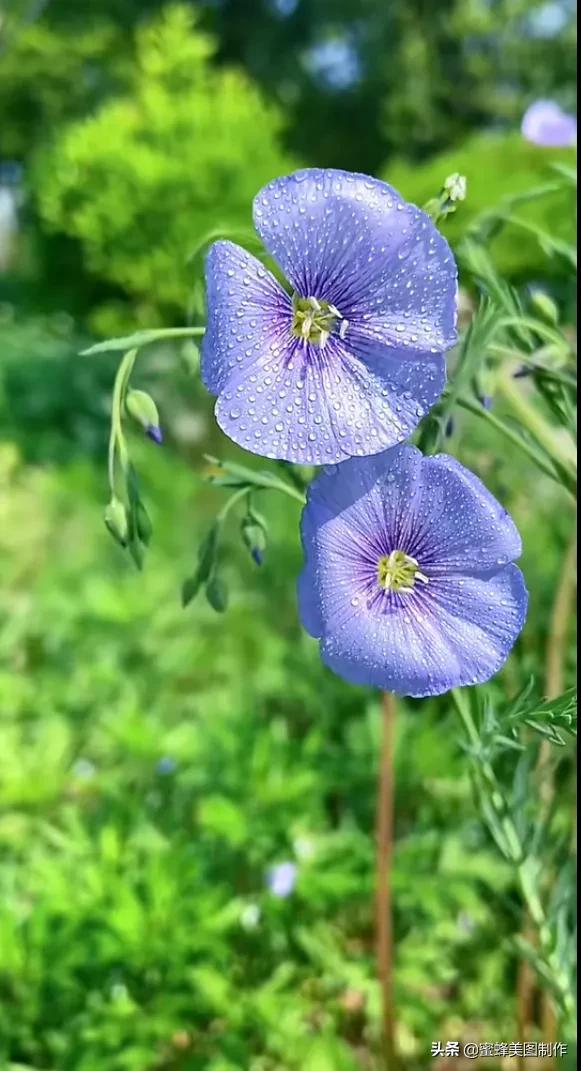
(525, 865)
(116, 437)
(232, 501)
(554, 684)
(513, 436)
(384, 847)
(535, 423)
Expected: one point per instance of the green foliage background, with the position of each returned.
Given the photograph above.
(156, 763)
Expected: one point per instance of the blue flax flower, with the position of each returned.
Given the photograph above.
(545, 123)
(281, 879)
(408, 581)
(350, 362)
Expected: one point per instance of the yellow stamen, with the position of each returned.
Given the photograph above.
(315, 321)
(398, 571)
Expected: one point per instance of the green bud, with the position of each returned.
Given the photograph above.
(142, 408)
(117, 521)
(254, 536)
(545, 308)
(143, 524)
(455, 187)
(431, 434)
(217, 594)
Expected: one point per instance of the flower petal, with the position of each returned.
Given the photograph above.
(353, 241)
(459, 527)
(247, 313)
(353, 515)
(545, 123)
(458, 636)
(314, 405)
(459, 627)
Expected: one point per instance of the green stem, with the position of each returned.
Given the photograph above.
(236, 497)
(175, 332)
(513, 436)
(272, 483)
(529, 416)
(142, 338)
(116, 437)
(512, 841)
(524, 866)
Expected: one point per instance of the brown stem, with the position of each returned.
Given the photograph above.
(384, 921)
(560, 618)
(554, 685)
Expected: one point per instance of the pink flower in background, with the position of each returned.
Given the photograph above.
(545, 123)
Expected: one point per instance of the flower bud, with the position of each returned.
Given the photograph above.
(142, 408)
(254, 538)
(117, 522)
(455, 187)
(545, 308)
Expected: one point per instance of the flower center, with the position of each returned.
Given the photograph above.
(398, 571)
(315, 320)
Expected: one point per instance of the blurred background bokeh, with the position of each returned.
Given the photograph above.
(156, 764)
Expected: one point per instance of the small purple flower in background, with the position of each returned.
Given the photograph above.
(408, 581)
(545, 123)
(166, 766)
(352, 361)
(281, 879)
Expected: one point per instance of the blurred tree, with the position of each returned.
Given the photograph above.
(141, 182)
(364, 78)
(422, 73)
(49, 77)
(500, 167)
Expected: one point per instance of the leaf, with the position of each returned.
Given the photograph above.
(207, 552)
(217, 594)
(550, 718)
(221, 816)
(190, 588)
(141, 338)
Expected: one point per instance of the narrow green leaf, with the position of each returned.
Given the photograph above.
(142, 338)
(217, 594)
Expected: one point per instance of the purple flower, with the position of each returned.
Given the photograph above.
(407, 580)
(282, 879)
(545, 123)
(351, 362)
(155, 434)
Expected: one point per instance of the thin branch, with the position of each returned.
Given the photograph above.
(384, 918)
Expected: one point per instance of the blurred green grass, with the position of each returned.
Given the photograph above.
(155, 763)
